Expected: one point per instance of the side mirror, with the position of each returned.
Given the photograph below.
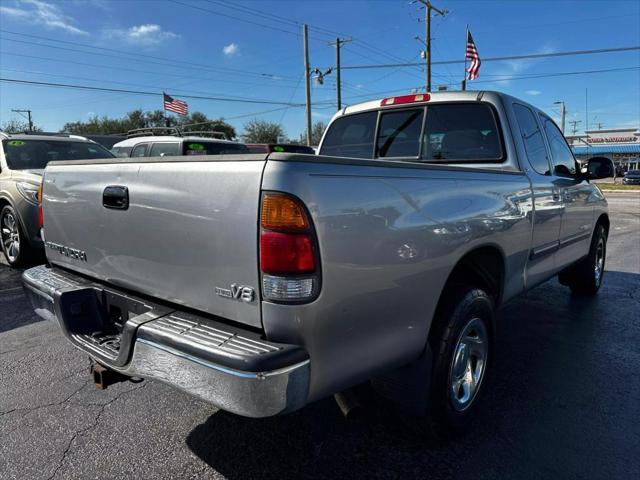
(599, 168)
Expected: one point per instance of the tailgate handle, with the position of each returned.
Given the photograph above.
(116, 197)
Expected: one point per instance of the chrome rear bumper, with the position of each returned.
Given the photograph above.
(233, 368)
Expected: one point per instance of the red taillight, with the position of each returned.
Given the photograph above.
(403, 99)
(286, 253)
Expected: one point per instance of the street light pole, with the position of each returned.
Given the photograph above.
(28, 112)
(563, 114)
(307, 80)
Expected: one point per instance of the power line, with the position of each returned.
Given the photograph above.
(293, 23)
(514, 77)
(497, 59)
(139, 92)
(165, 61)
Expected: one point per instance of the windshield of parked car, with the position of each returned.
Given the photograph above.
(213, 148)
(31, 154)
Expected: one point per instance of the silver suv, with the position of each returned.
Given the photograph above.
(23, 157)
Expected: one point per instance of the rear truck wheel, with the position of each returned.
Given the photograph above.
(15, 246)
(461, 340)
(585, 277)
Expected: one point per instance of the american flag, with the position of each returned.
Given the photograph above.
(176, 106)
(472, 54)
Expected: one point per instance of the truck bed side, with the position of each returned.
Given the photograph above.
(389, 235)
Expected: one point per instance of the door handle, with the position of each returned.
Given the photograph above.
(556, 196)
(115, 197)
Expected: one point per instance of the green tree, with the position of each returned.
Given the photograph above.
(317, 130)
(141, 119)
(17, 126)
(261, 131)
(198, 121)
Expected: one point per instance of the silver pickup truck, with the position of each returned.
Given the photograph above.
(264, 282)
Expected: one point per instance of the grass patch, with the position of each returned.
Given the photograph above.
(617, 186)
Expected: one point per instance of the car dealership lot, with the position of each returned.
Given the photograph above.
(563, 402)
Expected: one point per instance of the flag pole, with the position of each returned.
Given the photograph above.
(466, 41)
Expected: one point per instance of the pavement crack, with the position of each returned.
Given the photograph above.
(93, 424)
(52, 404)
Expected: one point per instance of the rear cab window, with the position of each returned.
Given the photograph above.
(351, 136)
(464, 132)
(436, 133)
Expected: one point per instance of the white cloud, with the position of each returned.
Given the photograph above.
(146, 35)
(42, 13)
(533, 92)
(231, 49)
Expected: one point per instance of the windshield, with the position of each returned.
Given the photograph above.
(213, 148)
(35, 154)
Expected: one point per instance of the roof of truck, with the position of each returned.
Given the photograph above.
(444, 96)
(131, 142)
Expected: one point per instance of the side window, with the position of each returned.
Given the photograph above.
(399, 133)
(464, 132)
(533, 141)
(351, 136)
(165, 149)
(121, 151)
(564, 164)
(139, 150)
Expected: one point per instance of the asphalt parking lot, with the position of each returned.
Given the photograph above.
(563, 402)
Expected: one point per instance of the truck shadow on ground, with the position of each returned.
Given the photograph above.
(554, 351)
(15, 309)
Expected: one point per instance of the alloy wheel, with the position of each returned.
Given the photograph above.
(468, 365)
(10, 237)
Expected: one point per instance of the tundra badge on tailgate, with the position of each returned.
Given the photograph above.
(237, 292)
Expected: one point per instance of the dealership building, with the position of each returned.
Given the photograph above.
(621, 145)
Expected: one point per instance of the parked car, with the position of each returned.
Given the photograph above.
(22, 159)
(632, 177)
(161, 142)
(280, 147)
(262, 284)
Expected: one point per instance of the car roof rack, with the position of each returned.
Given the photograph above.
(173, 131)
(153, 131)
(205, 133)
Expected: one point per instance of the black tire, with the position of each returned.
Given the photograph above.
(463, 313)
(585, 277)
(10, 232)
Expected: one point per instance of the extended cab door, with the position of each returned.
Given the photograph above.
(577, 215)
(547, 199)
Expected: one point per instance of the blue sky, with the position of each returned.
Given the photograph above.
(219, 49)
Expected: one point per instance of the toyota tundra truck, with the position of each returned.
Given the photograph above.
(264, 282)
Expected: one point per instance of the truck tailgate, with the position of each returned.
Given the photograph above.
(188, 236)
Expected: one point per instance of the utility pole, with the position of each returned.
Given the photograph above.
(28, 112)
(563, 113)
(337, 43)
(307, 80)
(427, 20)
(574, 126)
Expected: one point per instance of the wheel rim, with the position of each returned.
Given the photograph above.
(10, 237)
(468, 364)
(599, 261)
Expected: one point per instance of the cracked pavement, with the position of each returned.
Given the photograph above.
(563, 402)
